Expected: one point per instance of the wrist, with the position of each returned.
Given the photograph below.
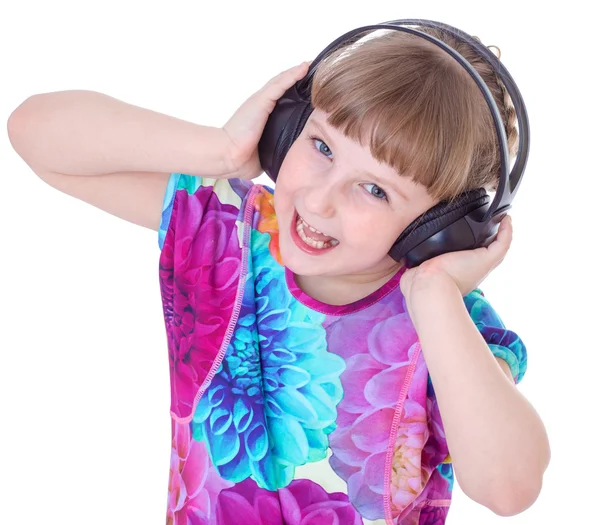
(428, 281)
(430, 287)
(226, 154)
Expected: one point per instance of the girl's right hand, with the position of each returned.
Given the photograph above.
(244, 129)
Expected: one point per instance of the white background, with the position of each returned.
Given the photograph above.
(84, 393)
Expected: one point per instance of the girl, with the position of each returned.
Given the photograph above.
(315, 380)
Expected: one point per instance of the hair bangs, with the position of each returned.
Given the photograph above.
(410, 103)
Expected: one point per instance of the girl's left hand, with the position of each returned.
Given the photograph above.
(467, 268)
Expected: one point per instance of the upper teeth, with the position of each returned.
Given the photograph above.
(319, 244)
(311, 228)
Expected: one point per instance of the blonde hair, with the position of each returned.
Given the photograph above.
(417, 109)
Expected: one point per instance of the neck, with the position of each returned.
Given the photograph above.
(346, 289)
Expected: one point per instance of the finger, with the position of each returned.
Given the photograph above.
(273, 90)
(298, 71)
(280, 82)
(506, 227)
(498, 248)
(284, 78)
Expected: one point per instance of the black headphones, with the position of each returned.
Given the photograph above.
(468, 221)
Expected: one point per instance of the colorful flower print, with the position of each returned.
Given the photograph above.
(272, 402)
(408, 475)
(371, 383)
(194, 483)
(303, 502)
(433, 515)
(502, 342)
(264, 203)
(198, 285)
(447, 472)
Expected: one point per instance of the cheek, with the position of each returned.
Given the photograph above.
(284, 198)
(377, 230)
(298, 160)
(286, 176)
(290, 180)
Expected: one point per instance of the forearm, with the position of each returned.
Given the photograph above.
(90, 133)
(496, 439)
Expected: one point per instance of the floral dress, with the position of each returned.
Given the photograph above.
(286, 410)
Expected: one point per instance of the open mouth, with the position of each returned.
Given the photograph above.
(310, 237)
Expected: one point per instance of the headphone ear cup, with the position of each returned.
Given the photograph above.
(283, 126)
(442, 216)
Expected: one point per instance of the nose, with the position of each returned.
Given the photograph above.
(320, 199)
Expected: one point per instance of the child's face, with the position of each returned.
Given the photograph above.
(326, 182)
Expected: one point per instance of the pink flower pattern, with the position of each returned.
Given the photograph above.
(194, 483)
(302, 502)
(198, 283)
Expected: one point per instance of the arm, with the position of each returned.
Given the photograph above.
(81, 132)
(89, 133)
(497, 442)
(110, 154)
(119, 157)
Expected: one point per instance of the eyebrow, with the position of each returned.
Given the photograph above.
(380, 180)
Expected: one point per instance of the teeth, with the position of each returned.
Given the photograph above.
(311, 228)
(312, 242)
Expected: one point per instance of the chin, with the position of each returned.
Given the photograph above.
(303, 267)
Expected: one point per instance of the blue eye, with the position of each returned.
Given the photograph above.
(379, 194)
(312, 138)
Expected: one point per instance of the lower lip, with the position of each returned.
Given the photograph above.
(302, 245)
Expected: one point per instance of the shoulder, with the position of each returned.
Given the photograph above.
(191, 199)
(230, 191)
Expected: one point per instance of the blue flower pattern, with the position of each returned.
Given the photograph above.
(503, 343)
(272, 402)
